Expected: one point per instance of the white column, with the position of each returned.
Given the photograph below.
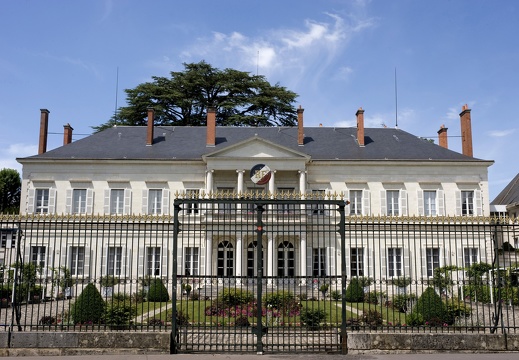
(270, 257)
(239, 255)
(302, 182)
(303, 257)
(209, 182)
(272, 182)
(208, 257)
(240, 181)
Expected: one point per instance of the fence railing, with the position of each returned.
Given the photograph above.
(66, 273)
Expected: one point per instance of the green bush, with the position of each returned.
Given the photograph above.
(119, 313)
(414, 319)
(372, 318)
(278, 299)
(400, 302)
(336, 295)
(313, 318)
(480, 293)
(157, 291)
(181, 318)
(355, 291)
(89, 306)
(430, 305)
(233, 297)
(373, 297)
(457, 309)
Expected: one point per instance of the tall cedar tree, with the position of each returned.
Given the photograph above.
(241, 99)
(10, 185)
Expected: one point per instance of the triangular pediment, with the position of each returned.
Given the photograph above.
(256, 147)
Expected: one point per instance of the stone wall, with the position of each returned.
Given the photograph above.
(92, 343)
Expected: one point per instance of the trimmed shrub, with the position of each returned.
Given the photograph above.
(372, 318)
(119, 313)
(233, 297)
(89, 306)
(242, 321)
(457, 309)
(336, 295)
(355, 291)
(157, 291)
(313, 318)
(400, 302)
(430, 305)
(414, 319)
(278, 299)
(373, 297)
(181, 318)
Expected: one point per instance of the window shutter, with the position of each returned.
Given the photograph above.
(383, 262)
(424, 263)
(104, 261)
(478, 203)
(347, 209)
(440, 197)
(406, 258)
(141, 267)
(419, 197)
(369, 262)
(127, 201)
(145, 194)
(403, 202)
(107, 202)
(164, 262)
(30, 201)
(68, 201)
(458, 202)
(127, 262)
(366, 208)
(165, 202)
(309, 263)
(90, 201)
(49, 262)
(52, 200)
(180, 264)
(460, 259)
(383, 202)
(347, 266)
(86, 268)
(330, 260)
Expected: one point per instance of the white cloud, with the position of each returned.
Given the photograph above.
(501, 133)
(8, 155)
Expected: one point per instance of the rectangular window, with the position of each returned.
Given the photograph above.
(318, 209)
(467, 203)
(429, 198)
(357, 262)
(8, 239)
(42, 201)
(191, 261)
(432, 256)
(470, 256)
(117, 201)
(192, 208)
(38, 256)
(153, 261)
(155, 201)
(79, 201)
(392, 197)
(394, 262)
(319, 262)
(114, 264)
(77, 260)
(355, 202)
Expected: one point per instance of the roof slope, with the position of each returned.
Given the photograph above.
(509, 195)
(189, 143)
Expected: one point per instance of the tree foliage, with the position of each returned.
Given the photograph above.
(10, 185)
(183, 98)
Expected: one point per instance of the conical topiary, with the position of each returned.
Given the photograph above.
(89, 306)
(431, 306)
(157, 291)
(355, 291)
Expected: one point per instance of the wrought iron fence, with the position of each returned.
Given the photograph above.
(259, 274)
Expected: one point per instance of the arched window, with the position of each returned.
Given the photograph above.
(252, 258)
(225, 259)
(286, 259)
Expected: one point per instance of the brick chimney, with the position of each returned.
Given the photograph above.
(300, 128)
(466, 131)
(360, 126)
(67, 134)
(149, 133)
(44, 126)
(442, 137)
(211, 126)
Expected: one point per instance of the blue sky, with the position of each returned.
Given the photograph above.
(338, 55)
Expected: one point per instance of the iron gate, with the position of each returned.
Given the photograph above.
(269, 272)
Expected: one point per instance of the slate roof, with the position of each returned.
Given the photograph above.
(189, 143)
(509, 195)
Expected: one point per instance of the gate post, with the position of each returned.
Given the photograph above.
(342, 234)
(259, 279)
